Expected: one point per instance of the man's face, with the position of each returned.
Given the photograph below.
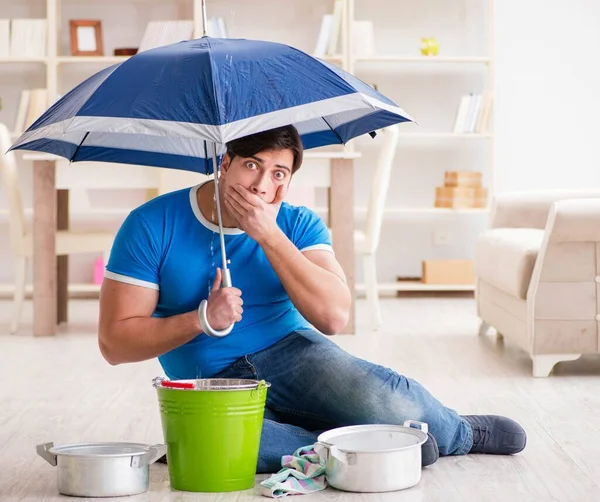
(261, 174)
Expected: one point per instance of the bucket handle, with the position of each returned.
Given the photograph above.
(152, 455)
(42, 450)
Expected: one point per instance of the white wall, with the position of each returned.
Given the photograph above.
(547, 102)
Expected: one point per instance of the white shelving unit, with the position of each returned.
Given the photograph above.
(397, 60)
(298, 25)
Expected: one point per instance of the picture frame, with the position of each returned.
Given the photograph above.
(86, 37)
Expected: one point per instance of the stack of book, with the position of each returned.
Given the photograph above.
(462, 189)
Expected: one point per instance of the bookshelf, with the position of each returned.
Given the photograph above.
(428, 87)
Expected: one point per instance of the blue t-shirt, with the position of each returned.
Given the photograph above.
(168, 245)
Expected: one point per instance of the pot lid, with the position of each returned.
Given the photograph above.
(373, 438)
(104, 450)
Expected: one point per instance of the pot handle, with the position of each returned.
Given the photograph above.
(325, 451)
(42, 450)
(422, 426)
(152, 455)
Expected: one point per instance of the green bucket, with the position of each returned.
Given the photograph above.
(212, 430)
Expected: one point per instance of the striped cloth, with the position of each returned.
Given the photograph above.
(301, 473)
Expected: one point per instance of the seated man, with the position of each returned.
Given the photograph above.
(289, 294)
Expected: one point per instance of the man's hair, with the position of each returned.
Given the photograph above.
(281, 138)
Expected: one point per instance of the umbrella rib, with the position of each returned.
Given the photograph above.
(78, 147)
(333, 131)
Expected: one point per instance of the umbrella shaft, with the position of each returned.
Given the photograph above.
(226, 276)
(204, 18)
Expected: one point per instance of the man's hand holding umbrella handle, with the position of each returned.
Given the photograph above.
(223, 308)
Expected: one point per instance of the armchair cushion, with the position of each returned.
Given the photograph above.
(504, 257)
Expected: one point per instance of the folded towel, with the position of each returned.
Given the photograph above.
(303, 472)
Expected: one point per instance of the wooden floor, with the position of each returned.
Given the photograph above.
(59, 389)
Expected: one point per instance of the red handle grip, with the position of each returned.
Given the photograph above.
(178, 385)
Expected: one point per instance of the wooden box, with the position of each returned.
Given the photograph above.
(460, 197)
(468, 179)
(448, 272)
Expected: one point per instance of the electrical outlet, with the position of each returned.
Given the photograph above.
(442, 238)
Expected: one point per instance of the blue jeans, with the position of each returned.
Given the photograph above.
(316, 386)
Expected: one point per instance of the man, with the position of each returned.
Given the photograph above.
(286, 285)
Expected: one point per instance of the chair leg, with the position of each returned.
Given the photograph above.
(484, 327)
(544, 363)
(370, 272)
(19, 295)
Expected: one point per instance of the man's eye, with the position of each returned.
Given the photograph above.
(280, 175)
(251, 165)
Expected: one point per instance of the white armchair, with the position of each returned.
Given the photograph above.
(21, 238)
(538, 274)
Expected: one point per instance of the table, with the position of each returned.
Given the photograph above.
(51, 212)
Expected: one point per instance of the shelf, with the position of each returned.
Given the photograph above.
(91, 59)
(410, 137)
(358, 211)
(7, 290)
(422, 59)
(417, 286)
(334, 57)
(444, 135)
(362, 210)
(23, 60)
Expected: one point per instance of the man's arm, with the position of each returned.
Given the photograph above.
(127, 331)
(314, 281)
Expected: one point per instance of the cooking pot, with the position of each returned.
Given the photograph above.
(373, 458)
(102, 469)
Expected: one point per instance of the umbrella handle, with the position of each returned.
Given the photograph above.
(206, 326)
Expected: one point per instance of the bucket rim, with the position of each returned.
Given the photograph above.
(212, 384)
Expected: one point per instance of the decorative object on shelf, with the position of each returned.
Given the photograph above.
(430, 46)
(473, 113)
(99, 270)
(125, 51)
(461, 190)
(448, 272)
(161, 33)
(86, 37)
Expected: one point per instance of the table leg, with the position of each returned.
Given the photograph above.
(62, 262)
(44, 257)
(341, 216)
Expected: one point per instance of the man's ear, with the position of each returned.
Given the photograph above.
(225, 163)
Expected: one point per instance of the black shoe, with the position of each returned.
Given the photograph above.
(429, 451)
(496, 435)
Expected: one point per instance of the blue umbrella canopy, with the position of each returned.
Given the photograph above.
(169, 106)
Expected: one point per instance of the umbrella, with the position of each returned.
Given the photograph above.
(177, 106)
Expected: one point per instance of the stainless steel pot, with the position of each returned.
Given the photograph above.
(373, 458)
(102, 469)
